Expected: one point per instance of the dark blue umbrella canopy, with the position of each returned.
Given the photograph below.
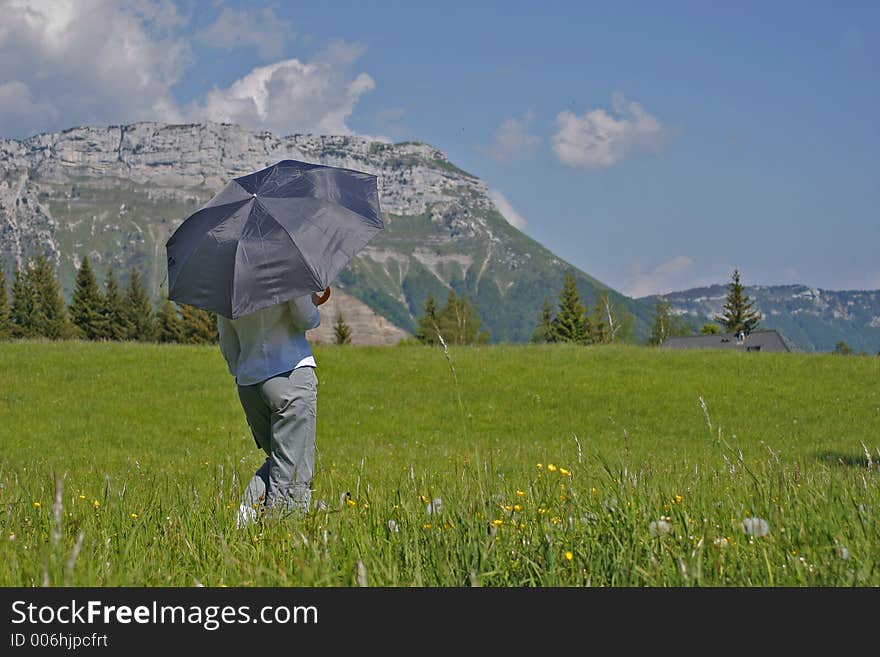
(283, 232)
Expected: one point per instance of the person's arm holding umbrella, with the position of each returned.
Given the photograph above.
(305, 310)
(320, 298)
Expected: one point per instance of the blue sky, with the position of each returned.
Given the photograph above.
(654, 145)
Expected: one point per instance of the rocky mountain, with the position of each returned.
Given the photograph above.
(813, 319)
(117, 193)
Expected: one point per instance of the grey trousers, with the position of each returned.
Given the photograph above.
(281, 412)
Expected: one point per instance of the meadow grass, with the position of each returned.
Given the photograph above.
(122, 464)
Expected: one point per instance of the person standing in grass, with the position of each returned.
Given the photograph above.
(274, 369)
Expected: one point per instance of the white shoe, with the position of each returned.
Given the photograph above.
(246, 515)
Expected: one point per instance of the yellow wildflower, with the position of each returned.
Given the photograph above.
(539, 465)
(96, 504)
(498, 522)
(551, 468)
(507, 507)
(564, 472)
(82, 497)
(517, 507)
(541, 511)
(134, 516)
(424, 499)
(555, 520)
(427, 525)
(569, 555)
(678, 498)
(521, 493)
(351, 502)
(37, 505)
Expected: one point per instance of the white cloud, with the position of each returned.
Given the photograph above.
(507, 211)
(18, 104)
(598, 139)
(291, 95)
(69, 62)
(512, 139)
(65, 63)
(666, 277)
(259, 29)
(872, 281)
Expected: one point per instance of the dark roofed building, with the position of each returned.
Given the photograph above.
(756, 341)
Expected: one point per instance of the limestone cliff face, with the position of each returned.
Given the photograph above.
(413, 177)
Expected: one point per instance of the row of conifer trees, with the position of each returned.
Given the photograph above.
(35, 308)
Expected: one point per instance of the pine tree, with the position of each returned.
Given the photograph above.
(5, 322)
(426, 333)
(341, 331)
(545, 331)
(199, 326)
(738, 314)
(25, 311)
(138, 311)
(87, 303)
(51, 316)
(114, 323)
(666, 325)
(842, 349)
(571, 323)
(170, 325)
(459, 322)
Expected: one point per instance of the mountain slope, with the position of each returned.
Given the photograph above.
(116, 193)
(814, 319)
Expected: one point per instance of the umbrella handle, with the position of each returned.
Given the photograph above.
(320, 299)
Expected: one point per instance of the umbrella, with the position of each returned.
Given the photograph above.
(273, 235)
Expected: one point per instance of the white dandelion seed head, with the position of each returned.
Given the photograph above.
(435, 507)
(720, 542)
(393, 526)
(842, 552)
(659, 527)
(757, 527)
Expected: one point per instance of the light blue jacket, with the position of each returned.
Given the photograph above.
(268, 342)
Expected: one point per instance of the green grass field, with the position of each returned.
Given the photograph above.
(555, 465)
